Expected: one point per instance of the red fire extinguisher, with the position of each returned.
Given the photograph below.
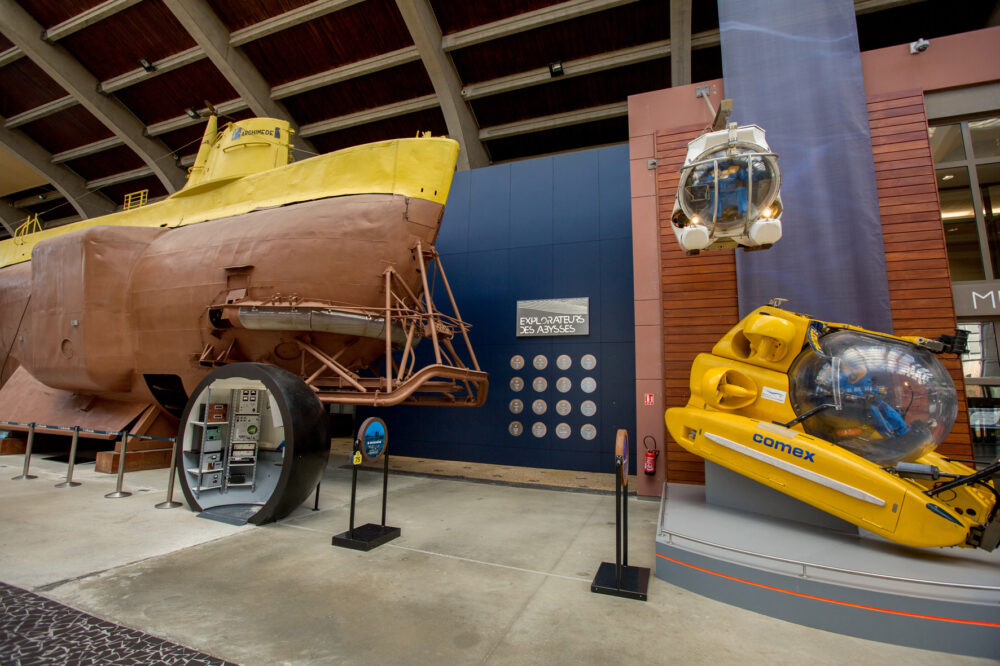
(649, 465)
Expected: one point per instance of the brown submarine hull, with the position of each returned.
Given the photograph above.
(111, 307)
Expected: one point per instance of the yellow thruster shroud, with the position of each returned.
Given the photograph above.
(740, 394)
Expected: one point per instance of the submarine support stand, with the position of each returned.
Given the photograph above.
(618, 578)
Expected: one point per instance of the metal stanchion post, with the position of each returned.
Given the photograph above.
(170, 503)
(121, 470)
(69, 482)
(27, 455)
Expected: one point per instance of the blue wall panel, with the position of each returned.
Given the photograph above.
(555, 227)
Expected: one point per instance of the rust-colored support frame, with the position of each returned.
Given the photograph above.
(449, 381)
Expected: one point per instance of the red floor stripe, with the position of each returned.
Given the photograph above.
(833, 601)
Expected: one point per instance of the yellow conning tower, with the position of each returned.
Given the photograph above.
(239, 149)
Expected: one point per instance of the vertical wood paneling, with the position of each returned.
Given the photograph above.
(915, 252)
(699, 298)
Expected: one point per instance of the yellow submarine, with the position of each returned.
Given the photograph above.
(323, 267)
(844, 419)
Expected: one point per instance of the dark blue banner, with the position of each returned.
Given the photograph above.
(794, 68)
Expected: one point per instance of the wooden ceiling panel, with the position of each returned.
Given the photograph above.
(241, 14)
(358, 32)
(392, 128)
(618, 28)
(70, 128)
(706, 64)
(455, 15)
(166, 96)
(23, 86)
(51, 210)
(5, 43)
(602, 132)
(113, 46)
(117, 192)
(572, 94)
(704, 16)
(364, 92)
(53, 12)
(106, 163)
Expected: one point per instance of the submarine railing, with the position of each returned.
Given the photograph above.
(119, 480)
(807, 565)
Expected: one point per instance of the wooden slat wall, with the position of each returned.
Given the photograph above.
(699, 293)
(699, 298)
(915, 253)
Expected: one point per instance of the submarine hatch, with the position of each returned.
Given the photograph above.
(253, 444)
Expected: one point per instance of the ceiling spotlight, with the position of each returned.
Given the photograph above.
(947, 176)
(556, 69)
(191, 112)
(146, 65)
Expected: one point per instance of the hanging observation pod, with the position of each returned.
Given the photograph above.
(729, 192)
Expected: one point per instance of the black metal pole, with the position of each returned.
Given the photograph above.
(354, 490)
(385, 484)
(618, 524)
(625, 523)
(316, 504)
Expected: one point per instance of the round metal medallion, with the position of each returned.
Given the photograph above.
(563, 407)
(516, 384)
(517, 362)
(588, 384)
(563, 384)
(564, 362)
(588, 408)
(587, 431)
(538, 429)
(516, 406)
(540, 362)
(563, 431)
(515, 428)
(539, 384)
(589, 362)
(539, 407)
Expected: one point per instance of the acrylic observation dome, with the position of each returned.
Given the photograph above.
(884, 400)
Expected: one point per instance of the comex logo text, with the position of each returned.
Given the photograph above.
(784, 447)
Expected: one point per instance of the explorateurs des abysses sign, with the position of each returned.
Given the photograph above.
(551, 317)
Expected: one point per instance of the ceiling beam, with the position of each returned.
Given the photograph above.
(20, 28)
(287, 20)
(211, 34)
(179, 122)
(86, 203)
(564, 11)
(680, 42)
(370, 115)
(10, 55)
(426, 33)
(88, 149)
(86, 19)
(345, 72)
(35, 199)
(869, 6)
(162, 66)
(10, 219)
(571, 68)
(41, 111)
(555, 121)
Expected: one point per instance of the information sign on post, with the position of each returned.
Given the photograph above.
(373, 438)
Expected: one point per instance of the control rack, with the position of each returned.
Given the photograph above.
(229, 437)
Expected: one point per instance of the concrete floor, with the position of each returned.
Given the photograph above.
(483, 573)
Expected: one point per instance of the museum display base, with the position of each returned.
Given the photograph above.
(366, 537)
(634, 581)
(943, 599)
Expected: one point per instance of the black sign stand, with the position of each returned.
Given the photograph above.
(370, 535)
(618, 578)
